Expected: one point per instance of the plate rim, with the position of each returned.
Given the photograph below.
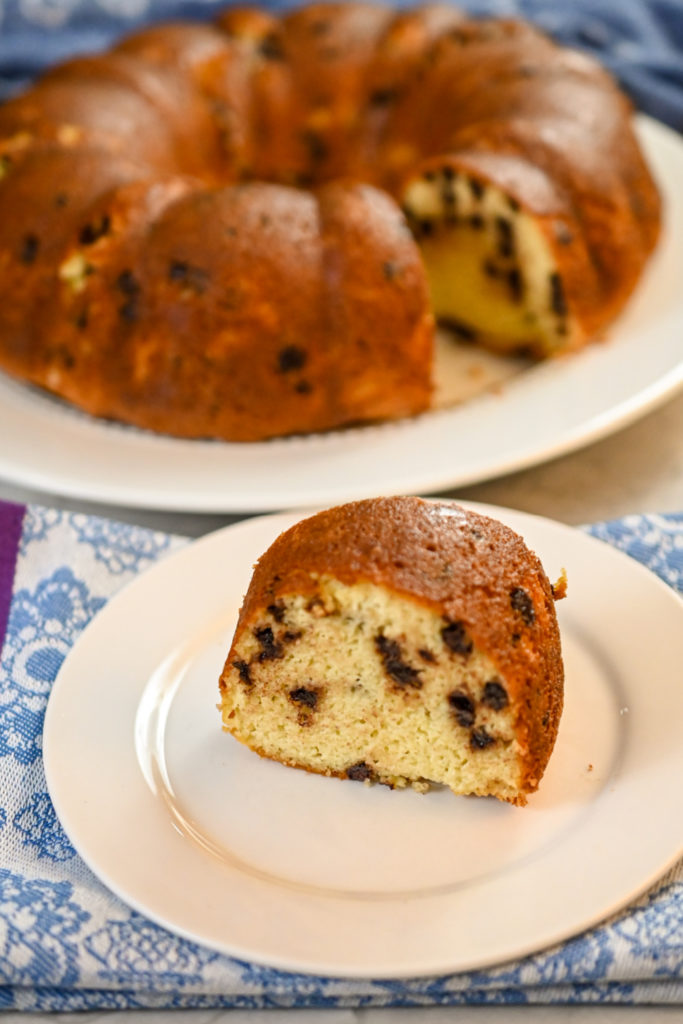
(281, 962)
(211, 490)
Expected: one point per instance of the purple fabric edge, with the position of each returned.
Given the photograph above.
(11, 521)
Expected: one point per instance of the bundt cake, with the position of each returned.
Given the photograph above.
(246, 229)
(401, 641)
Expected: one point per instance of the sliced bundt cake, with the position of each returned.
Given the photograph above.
(402, 641)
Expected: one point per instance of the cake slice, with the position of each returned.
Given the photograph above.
(402, 641)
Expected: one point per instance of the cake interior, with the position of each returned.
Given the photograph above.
(492, 275)
(365, 683)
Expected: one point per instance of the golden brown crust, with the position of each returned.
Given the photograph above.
(470, 568)
(323, 91)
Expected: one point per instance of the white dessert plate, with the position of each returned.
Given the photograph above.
(331, 877)
(526, 418)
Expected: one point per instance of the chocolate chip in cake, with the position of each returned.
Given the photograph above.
(522, 603)
(277, 610)
(271, 47)
(495, 695)
(394, 665)
(128, 283)
(316, 146)
(463, 706)
(448, 196)
(514, 280)
(291, 357)
(129, 311)
(476, 222)
(506, 238)
(244, 672)
(476, 187)
(557, 298)
(30, 247)
(91, 233)
(305, 696)
(359, 772)
(290, 635)
(461, 330)
(427, 655)
(189, 275)
(480, 738)
(270, 648)
(455, 637)
(382, 97)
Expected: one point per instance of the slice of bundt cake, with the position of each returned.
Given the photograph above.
(402, 641)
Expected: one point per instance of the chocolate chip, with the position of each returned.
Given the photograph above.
(277, 611)
(394, 665)
(303, 387)
(557, 297)
(271, 47)
(455, 637)
(359, 772)
(514, 280)
(448, 194)
(512, 203)
(291, 358)
(495, 695)
(462, 331)
(522, 603)
(189, 275)
(316, 146)
(290, 635)
(128, 283)
(463, 706)
(425, 227)
(427, 655)
(480, 738)
(244, 672)
(270, 648)
(476, 222)
(506, 237)
(82, 319)
(383, 97)
(91, 233)
(302, 695)
(29, 249)
(476, 187)
(129, 311)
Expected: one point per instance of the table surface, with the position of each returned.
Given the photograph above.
(639, 469)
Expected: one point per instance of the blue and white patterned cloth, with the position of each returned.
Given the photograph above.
(641, 41)
(66, 943)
